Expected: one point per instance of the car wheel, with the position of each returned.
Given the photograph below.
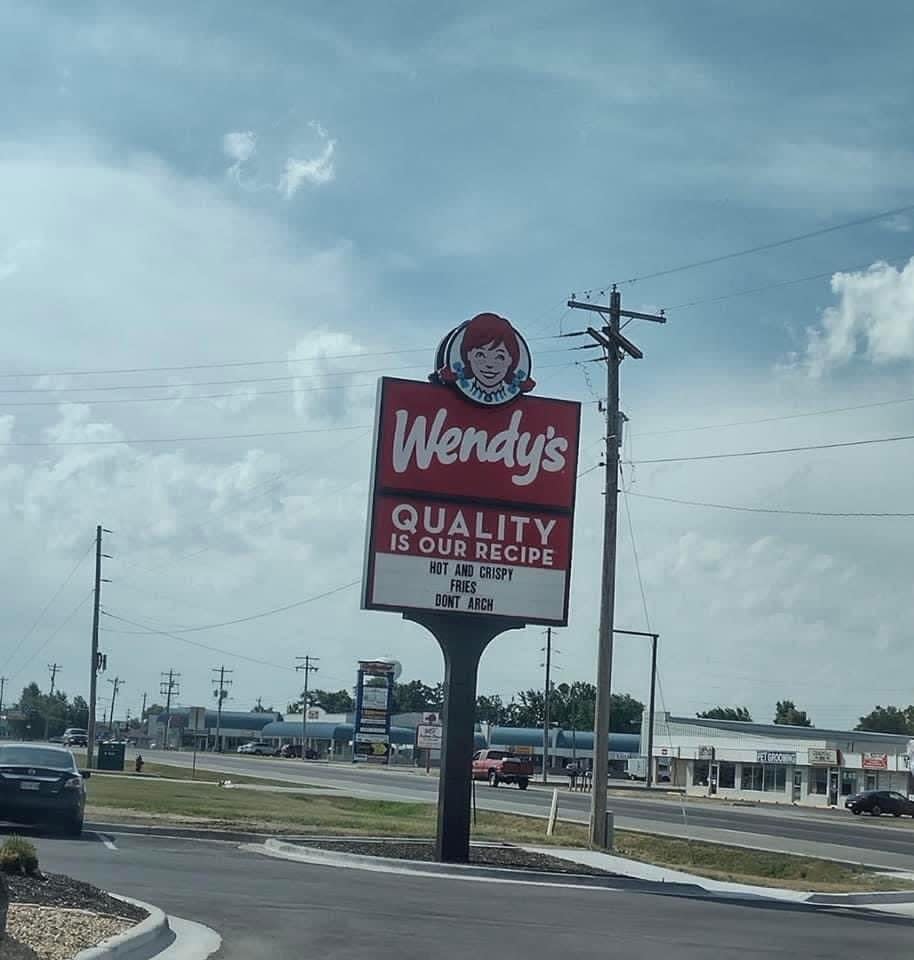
(876, 811)
(855, 811)
(522, 784)
(896, 813)
(493, 778)
(72, 827)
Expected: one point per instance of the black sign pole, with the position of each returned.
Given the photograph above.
(462, 639)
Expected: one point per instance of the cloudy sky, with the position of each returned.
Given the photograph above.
(221, 223)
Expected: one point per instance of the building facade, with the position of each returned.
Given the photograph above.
(775, 763)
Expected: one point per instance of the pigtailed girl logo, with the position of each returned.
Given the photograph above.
(486, 359)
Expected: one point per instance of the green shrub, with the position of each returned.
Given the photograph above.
(18, 855)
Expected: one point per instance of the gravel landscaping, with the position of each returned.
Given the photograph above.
(52, 917)
(488, 856)
(51, 933)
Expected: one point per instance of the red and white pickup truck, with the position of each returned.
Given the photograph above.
(497, 767)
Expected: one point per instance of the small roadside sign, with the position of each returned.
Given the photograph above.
(428, 736)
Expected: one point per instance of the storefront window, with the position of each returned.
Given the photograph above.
(848, 782)
(752, 778)
(775, 777)
(818, 780)
(701, 773)
(726, 776)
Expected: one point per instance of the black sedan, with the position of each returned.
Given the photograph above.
(42, 785)
(877, 802)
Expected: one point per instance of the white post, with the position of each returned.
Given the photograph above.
(553, 812)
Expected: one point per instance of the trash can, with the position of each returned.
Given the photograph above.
(111, 756)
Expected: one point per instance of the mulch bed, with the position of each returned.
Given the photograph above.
(488, 856)
(54, 890)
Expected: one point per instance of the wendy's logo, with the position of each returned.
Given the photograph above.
(486, 359)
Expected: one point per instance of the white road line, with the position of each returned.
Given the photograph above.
(107, 841)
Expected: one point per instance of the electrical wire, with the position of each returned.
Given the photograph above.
(47, 606)
(786, 416)
(256, 616)
(764, 453)
(197, 643)
(54, 632)
(235, 363)
(218, 436)
(772, 510)
(760, 248)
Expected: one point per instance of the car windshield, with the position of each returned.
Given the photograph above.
(26, 756)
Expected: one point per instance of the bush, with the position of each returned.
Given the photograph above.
(18, 855)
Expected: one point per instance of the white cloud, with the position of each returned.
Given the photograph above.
(316, 170)
(873, 319)
(239, 146)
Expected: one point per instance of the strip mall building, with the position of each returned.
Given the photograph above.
(775, 763)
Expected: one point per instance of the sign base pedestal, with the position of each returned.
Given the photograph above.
(462, 640)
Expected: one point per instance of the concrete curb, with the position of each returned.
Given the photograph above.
(458, 871)
(145, 939)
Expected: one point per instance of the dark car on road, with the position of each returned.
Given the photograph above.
(877, 802)
(75, 737)
(42, 785)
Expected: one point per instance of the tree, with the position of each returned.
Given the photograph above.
(339, 701)
(153, 710)
(888, 720)
(416, 697)
(727, 713)
(78, 713)
(260, 708)
(573, 705)
(786, 712)
(492, 709)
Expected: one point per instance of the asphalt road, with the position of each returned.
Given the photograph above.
(267, 908)
(835, 833)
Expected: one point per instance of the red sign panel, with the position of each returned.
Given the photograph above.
(433, 440)
(472, 505)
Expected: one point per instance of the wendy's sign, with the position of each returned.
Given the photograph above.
(473, 487)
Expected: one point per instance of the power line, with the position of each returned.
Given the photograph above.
(219, 436)
(760, 248)
(54, 633)
(234, 363)
(763, 453)
(255, 616)
(785, 416)
(771, 510)
(46, 607)
(197, 643)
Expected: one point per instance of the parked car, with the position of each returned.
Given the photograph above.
(75, 737)
(259, 747)
(42, 785)
(877, 802)
(291, 750)
(498, 766)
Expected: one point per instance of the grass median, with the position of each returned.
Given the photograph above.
(214, 806)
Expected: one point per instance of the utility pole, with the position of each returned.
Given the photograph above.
(654, 637)
(168, 686)
(546, 701)
(53, 668)
(221, 694)
(615, 347)
(2, 691)
(143, 711)
(95, 664)
(307, 665)
(117, 683)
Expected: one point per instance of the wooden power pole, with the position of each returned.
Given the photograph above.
(615, 347)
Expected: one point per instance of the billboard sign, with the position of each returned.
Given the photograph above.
(196, 719)
(474, 485)
(374, 694)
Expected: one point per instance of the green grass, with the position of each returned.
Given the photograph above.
(158, 770)
(207, 804)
